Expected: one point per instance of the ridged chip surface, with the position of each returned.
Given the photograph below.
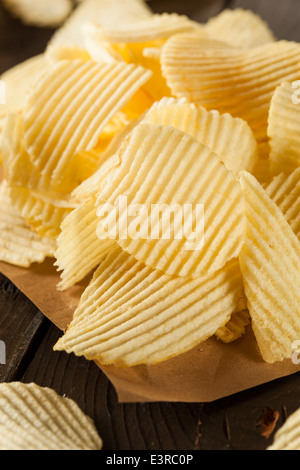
(37, 418)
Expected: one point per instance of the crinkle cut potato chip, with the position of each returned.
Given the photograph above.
(219, 76)
(285, 192)
(18, 82)
(104, 12)
(240, 28)
(79, 250)
(37, 418)
(270, 260)
(284, 128)
(42, 12)
(196, 121)
(150, 29)
(19, 244)
(235, 328)
(55, 54)
(131, 314)
(153, 160)
(109, 160)
(288, 435)
(90, 187)
(90, 161)
(229, 137)
(17, 166)
(68, 110)
(43, 211)
(127, 42)
(44, 216)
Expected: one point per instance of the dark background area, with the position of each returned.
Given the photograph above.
(231, 423)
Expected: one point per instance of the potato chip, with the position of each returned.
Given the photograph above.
(55, 54)
(288, 435)
(42, 13)
(240, 28)
(229, 137)
(20, 172)
(284, 129)
(152, 52)
(108, 160)
(43, 210)
(18, 81)
(235, 328)
(90, 187)
(18, 169)
(68, 110)
(88, 162)
(103, 12)
(44, 215)
(233, 135)
(103, 52)
(37, 418)
(169, 172)
(79, 250)
(264, 170)
(218, 76)
(131, 314)
(154, 28)
(285, 192)
(19, 245)
(269, 261)
(127, 42)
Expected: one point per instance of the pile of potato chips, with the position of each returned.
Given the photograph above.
(160, 109)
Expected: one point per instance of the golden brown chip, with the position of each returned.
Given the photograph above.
(235, 328)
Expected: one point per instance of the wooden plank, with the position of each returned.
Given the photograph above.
(122, 426)
(230, 423)
(21, 324)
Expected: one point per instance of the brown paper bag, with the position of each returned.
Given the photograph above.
(211, 371)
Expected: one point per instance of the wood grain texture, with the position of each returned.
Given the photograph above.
(230, 423)
(21, 324)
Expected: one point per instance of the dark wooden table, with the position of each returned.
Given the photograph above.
(230, 423)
